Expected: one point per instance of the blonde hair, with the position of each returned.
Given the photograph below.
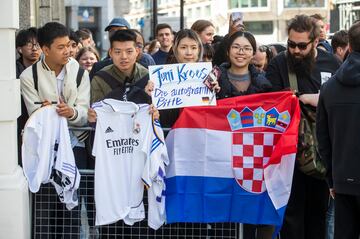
(200, 25)
(85, 49)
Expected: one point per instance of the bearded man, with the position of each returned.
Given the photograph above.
(306, 209)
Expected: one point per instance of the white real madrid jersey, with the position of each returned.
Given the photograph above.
(130, 152)
(47, 155)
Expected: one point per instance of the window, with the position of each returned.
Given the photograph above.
(260, 27)
(304, 3)
(207, 11)
(248, 3)
(198, 12)
(189, 13)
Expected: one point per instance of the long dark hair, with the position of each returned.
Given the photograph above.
(190, 34)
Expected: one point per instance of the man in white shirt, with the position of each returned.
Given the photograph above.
(54, 80)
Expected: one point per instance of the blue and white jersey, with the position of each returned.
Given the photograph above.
(130, 152)
(47, 155)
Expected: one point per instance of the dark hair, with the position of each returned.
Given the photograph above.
(268, 51)
(73, 36)
(83, 50)
(190, 34)
(161, 26)
(83, 34)
(317, 17)
(200, 25)
(250, 37)
(50, 31)
(137, 32)
(217, 39)
(152, 45)
(304, 23)
(208, 51)
(26, 35)
(122, 36)
(354, 37)
(339, 39)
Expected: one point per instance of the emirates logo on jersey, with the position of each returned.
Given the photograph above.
(122, 146)
(109, 130)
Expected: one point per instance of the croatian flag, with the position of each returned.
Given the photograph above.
(233, 162)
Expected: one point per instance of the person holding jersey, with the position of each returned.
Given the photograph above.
(56, 75)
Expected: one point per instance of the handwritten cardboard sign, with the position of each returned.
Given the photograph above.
(181, 85)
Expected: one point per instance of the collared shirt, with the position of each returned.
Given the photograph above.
(60, 81)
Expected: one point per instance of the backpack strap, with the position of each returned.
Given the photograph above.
(293, 81)
(109, 79)
(35, 76)
(79, 76)
(292, 78)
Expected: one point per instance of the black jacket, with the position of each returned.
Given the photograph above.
(259, 83)
(338, 128)
(277, 73)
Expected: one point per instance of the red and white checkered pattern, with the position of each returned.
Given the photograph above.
(251, 151)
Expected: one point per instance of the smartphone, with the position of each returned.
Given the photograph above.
(237, 16)
(211, 77)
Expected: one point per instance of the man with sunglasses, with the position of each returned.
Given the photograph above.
(306, 209)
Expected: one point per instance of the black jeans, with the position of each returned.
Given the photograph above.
(305, 214)
(347, 216)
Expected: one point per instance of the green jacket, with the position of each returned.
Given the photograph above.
(99, 88)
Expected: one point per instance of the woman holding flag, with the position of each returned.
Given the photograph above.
(238, 77)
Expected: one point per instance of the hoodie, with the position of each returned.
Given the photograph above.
(338, 128)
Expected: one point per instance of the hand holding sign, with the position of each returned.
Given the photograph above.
(180, 85)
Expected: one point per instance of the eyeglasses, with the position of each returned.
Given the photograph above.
(300, 45)
(245, 49)
(30, 45)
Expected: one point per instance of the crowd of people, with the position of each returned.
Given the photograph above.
(246, 66)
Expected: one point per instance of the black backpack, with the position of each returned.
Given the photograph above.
(133, 92)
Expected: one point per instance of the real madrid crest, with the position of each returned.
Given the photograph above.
(136, 128)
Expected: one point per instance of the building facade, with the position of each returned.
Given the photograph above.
(267, 19)
(94, 15)
(38, 12)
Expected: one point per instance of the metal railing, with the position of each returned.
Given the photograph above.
(51, 219)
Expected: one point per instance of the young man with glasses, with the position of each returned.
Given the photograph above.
(28, 48)
(306, 210)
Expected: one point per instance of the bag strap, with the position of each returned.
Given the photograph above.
(35, 76)
(79, 76)
(109, 79)
(292, 77)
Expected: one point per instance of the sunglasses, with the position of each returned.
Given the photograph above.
(300, 45)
